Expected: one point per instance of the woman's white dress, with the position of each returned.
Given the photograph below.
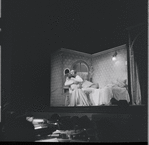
(77, 96)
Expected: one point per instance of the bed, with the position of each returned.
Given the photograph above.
(102, 96)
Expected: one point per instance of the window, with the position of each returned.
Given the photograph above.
(82, 69)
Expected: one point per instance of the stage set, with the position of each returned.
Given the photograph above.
(114, 75)
(104, 74)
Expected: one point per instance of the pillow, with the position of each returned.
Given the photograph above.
(86, 84)
(110, 85)
(96, 86)
(121, 83)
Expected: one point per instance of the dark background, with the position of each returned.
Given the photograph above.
(32, 29)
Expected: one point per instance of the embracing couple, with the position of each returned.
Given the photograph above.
(77, 95)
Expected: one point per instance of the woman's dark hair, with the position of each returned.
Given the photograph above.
(67, 71)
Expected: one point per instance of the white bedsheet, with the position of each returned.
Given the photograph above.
(99, 96)
(104, 95)
(120, 94)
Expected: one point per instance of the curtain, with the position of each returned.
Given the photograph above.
(136, 89)
(138, 68)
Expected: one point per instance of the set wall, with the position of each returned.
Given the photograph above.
(56, 98)
(69, 58)
(106, 70)
(59, 61)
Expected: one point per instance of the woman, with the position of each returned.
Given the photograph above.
(77, 96)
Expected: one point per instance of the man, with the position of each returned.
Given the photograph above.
(77, 96)
(72, 80)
